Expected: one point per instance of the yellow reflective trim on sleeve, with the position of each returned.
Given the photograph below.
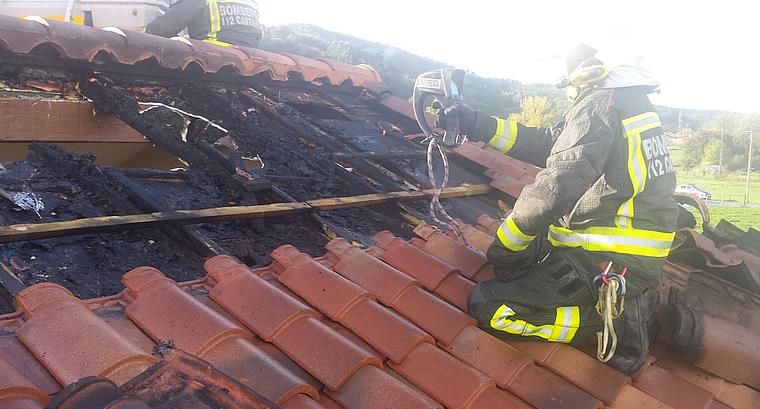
(215, 21)
(512, 237)
(563, 330)
(614, 239)
(505, 136)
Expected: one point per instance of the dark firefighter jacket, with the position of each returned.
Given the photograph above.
(222, 22)
(606, 186)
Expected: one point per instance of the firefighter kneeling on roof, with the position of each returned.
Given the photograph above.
(604, 195)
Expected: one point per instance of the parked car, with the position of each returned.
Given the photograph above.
(694, 190)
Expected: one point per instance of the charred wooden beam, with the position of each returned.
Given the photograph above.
(21, 232)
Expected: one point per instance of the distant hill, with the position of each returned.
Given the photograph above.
(400, 68)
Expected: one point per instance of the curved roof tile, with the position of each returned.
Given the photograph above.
(75, 42)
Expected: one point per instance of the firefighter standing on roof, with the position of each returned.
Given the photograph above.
(221, 22)
(605, 194)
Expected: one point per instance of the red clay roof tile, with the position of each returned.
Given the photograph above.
(729, 350)
(488, 224)
(587, 373)
(71, 341)
(17, 391)
(540, 351)
(672, 390)
(438, 318)
(372, 388)
(455, 289)
(476, 238)
(298, 334)
(423, 267)
(385, 330)
(632, 398)
(326, 290)
(738, 396)
(301, 402)
(75, 42)
(249, 365)
(19, 356)
(165, 311)
(457, 254)
(545, 389)
(260, 306)
(367, 271)
(328, 403)
(457, 389)
(488, 354)
(718, 405)
(325, 354)
(338, 355)
(493, 397)
(484, 274)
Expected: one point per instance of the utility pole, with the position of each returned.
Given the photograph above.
(720, 156)
(749, 167)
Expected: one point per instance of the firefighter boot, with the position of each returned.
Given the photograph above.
(633, 332)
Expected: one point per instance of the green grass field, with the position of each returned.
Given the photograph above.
(729, 187)
(744, 217)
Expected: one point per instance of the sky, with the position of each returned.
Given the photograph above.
(705, 53)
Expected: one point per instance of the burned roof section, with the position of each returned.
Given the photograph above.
(353, 299)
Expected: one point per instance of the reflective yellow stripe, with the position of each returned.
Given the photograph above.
(512, 237)
(505, 136)
(217, 42)
(614, 239)
(215, 22)
(637, 169)
(563, 330)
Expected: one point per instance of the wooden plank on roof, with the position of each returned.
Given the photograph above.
(48, 120)
(22, 232)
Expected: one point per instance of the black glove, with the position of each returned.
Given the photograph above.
(510, 265)
(467, 117)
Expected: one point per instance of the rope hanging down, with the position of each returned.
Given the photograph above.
(609, 309)
(435, 203)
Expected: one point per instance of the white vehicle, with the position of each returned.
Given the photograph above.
(694, 190)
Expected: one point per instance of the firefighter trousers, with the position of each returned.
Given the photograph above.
(553, 300)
